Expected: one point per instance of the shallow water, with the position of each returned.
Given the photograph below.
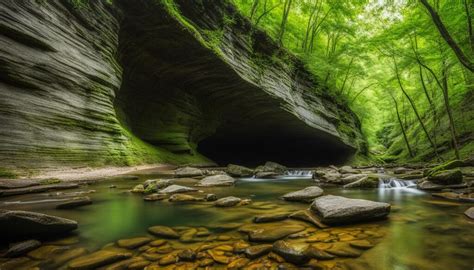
(421, 233)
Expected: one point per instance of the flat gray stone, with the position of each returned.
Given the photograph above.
(36, 189)
(227, 201)
(177, 189)
(18, 249)
(470, 213)
(340, 210)
(304, 195)
(217, 180)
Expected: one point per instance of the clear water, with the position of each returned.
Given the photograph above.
(421, 233)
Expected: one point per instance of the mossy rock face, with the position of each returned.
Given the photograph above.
(157, 81)
(442, 167)
(446, 177)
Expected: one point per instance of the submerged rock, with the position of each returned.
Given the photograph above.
(163, 231)
(133, 243)
(294, 253)
(308, 216)
(98, 259)
(138, 189)
(227, 201)
(256, 251)
(304, 195)
(270, 232)
(446, 177)
(319, 254)
(155, 197)
(36, 189)
(470, 213)
(177, 189)
(266, 175)
(184, 198)
(23, 223)
(270, 218)
(339, 210)
(238, 171)
(188, 172)
(18, 249)
(217, 180)
(211, 197)
(74, 203)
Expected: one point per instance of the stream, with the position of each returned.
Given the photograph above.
(420, 233)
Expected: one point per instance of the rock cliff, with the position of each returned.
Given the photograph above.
(95, 83)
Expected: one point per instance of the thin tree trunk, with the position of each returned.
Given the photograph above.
(401, 126)
(413, 106)
(284, 20)
(254, 8)
(448, 110)
(465, 61)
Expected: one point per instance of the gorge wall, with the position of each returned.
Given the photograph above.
(147, 81)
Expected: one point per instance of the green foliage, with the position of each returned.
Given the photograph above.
(353, 50)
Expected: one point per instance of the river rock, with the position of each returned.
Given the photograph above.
(470, 213)
(361, 244)
(187, 255)
(23, 223)
(453, 164)
(66, 256)
(270, 232)
(238, 171)
(138, 189)
(74, 203)
(428, 185)
(304, 195)
(18, 249)
(348, 170)
(163, 231)
(155, 197)
(446, 177)
(17, 183)
(308, 216)
(293, 253)
(188, 172)
(211, 197)
(133, 243)
(158, 183)
(177, 189)
(36, 189)
(343, 250)
(274, 167)
(270, 218)
(455, 196)
(217, 180)
(339, 210)
(256, 251)
(227, 201)
(266, 175)
(319, 254)
(98, 259)
(365, 182)
(349, 178)
(184, 198)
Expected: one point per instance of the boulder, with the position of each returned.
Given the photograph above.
(428, 185)
(163, 231)
(446, 177)
(177, 189)
(365, 182)
(158, 183)
(238, 171)
(227, 201)
(291, 252)
(266, 175)
(74, 203)
(470, 213)
(270, 169)
(340, 210)
(443, 167)
(217, 180)
(98, 259)
(18, 249)
(138, 189)
(256, 251)
(349, 178)
(304, 195)
(23, 223)
(188, 172)
(273, 166)
(17, 183)
(184, 198)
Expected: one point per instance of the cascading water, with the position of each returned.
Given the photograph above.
(299, 174)
(397, 185)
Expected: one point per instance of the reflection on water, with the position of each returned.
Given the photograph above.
(421, 233)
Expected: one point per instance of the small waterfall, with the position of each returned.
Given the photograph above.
(396, 183)
(299, 173)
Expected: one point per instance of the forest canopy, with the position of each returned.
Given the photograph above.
(405, 67)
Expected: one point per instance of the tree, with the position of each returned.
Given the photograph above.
(284, 20)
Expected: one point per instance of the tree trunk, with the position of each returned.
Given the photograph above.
(401, 126)
(465, 61)
(284, 20)
(448, 109)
